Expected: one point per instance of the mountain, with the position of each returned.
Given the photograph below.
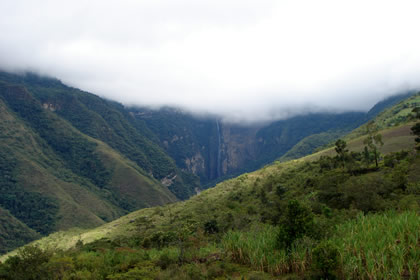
(350, 221)
(69, 158)
(316, 141)
(387, 103)
(396, 139)
(57, 171)
(214, 150)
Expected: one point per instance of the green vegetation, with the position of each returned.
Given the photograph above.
(298, 222)
(14, 233)
(33, 209)
(373, 142)
(380, 246)
(77, 152)
(394, 116)
(110, 123)
(310, 144)
(54, 177)
(349, 212)
(416, 131)
(302, 219)
(416, 128)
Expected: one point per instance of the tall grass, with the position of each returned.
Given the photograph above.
(385, 246)
(257, 248)
(381, 246)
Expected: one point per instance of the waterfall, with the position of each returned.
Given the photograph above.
(219, 152)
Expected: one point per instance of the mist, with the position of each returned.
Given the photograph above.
(244, 61)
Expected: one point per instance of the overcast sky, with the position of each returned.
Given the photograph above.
(242, 59)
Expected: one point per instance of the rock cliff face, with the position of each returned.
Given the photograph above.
(206, 147)
(212, 149)
(239, 146)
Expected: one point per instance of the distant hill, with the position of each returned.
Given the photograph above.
(393, 116)
(387, 103)
(314, 142)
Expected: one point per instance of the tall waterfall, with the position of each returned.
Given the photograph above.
(219, 152)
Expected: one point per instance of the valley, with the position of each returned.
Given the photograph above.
(209, 140)
(239, 227)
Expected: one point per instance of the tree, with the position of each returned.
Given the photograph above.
(341, 149)
(416, 111)
(373, 140)
(30, 263)
(325, 258)
(297, 223)
(263, 197)
(416, 131)
(367, 157)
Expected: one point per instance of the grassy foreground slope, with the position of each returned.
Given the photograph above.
(306, 218)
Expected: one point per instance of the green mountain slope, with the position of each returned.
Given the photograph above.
(311, 143)
(14, 233)
(55, 177)
(398, 114)
(111, 123)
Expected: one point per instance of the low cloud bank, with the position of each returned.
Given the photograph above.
(246, 61)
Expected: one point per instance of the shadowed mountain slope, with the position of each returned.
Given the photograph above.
(53, 176)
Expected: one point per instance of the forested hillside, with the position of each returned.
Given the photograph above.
(349, 213)
(54, 176)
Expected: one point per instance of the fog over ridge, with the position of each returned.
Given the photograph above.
(245, 61)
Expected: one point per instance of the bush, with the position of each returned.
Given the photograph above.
(29, 264)
(211, 227)
(297, 223)
(325, 259)
(165, 261)
(280, 191)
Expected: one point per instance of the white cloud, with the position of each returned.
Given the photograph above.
(245, 60)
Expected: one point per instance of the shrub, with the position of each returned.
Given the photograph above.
(280, 190)
(211, 227)
(165, 261)
(30, 263)
(325, 258)
(297, 223)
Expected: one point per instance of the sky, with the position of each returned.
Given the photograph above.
(243, 60)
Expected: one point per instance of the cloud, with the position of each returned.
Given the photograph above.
(248, 60)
